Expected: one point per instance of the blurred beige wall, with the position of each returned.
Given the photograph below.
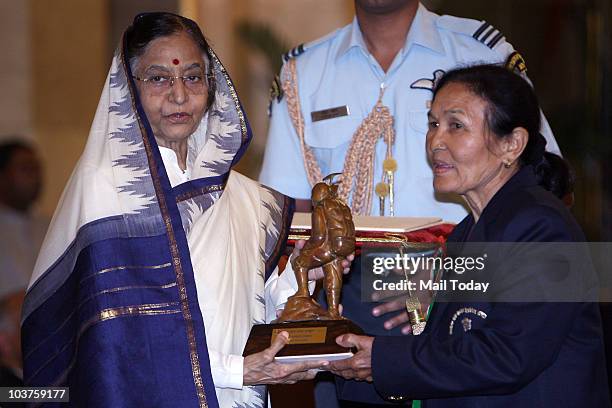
(69, 64)
(15, 77)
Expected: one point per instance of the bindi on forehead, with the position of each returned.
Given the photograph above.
(175, 61)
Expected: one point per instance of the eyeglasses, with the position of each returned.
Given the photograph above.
(161, 84)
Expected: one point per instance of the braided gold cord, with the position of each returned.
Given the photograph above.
(358, 171)
(290, 88)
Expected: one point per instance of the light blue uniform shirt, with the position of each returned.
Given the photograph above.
(338, 70)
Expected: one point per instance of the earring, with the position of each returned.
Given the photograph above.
(508, 164)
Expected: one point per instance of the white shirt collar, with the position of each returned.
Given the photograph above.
(175, 174)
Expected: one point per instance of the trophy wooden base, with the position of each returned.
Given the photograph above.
(309, 340)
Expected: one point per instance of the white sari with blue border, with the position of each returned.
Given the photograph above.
(131, 264)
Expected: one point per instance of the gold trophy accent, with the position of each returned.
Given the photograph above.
(389, 168)
(415, 315)
(413, 304)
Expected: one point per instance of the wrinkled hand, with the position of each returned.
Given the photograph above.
(260, 368)
(317, 273)
(393, 306)
(358, 367)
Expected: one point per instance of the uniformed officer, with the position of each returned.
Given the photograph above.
(356, 101)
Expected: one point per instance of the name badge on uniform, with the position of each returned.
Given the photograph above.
(330, 113)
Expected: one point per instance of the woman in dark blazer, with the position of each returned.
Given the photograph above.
(484, 144)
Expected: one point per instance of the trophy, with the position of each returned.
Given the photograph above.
(313, 329)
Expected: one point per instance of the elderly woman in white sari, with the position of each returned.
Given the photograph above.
(160, 258)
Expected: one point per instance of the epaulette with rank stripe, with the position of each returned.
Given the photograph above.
(276, 90)
(300, 49)
(293, 53)
(488, 35)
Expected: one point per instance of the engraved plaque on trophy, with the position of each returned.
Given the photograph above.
(312, 328)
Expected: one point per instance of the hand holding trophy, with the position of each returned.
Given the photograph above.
(313, 329)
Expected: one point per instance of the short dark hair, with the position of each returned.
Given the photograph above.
(511, 103)
(147, 27)
(8, 149)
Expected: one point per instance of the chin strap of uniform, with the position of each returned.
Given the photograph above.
(358, 172)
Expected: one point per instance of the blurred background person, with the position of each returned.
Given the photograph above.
(22, 230)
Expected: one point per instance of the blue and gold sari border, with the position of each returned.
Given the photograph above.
(197, 187)
(87, 299)
(151, 309)
(57, 274)
(124, 268)
(113, 313)
(245, 128)
(163, 188)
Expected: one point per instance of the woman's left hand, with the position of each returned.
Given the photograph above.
(260, 368)
(358, 367)
(317, 273)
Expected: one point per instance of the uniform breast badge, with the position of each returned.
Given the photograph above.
(466, 322)
(330, 113)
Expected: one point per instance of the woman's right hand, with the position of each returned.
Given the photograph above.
(260, 368)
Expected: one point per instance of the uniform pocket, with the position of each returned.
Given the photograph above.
(418, 120)
(415, 142)
(331, 133)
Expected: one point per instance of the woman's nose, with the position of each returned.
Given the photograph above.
(431, 139)
(178, 92)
